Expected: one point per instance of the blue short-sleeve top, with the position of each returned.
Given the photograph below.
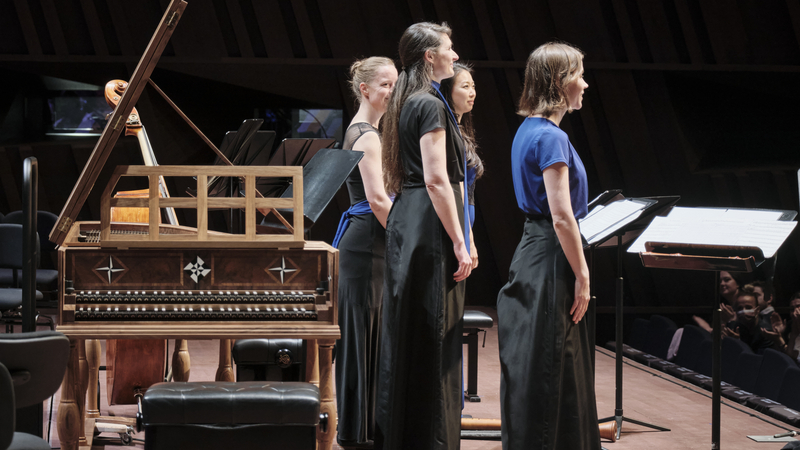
(539, 144)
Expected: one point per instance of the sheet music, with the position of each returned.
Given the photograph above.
(602, 221)
(747, 215)
(768, 235)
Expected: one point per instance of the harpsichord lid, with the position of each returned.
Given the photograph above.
(116, 123)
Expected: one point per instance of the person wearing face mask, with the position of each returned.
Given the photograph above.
(361, 242)
(427, 256)
(547, 396)
(460, 93)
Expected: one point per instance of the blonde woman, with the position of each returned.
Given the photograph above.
(361, 240)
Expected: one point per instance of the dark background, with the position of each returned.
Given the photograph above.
(696, 99)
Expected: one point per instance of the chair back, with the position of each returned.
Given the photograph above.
(747, 367)
(704, 358)
(660, 336)
(731, 349)
(45, 221)
(770, 375)
(10, 246)
(37, 362)
(789, 395)
(639, 333)
(689, 350)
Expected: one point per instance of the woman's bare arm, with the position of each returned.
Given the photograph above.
(372, 174)
(556, 184)
(434, 167)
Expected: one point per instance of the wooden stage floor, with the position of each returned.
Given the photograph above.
(648, 395)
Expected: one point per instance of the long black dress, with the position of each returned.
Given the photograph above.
(547, 385)
(419, 382)
(361, 253)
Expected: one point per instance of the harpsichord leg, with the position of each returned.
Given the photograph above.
(225, 369)
(69, 422)
(93, 361)
(327, 399)
(181, 364)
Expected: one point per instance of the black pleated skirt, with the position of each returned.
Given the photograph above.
(419, 381)
(361, 258)
(547, 384)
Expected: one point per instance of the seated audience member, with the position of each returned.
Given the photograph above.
(729, 286)
(766, 315)
(785, 334)
(744, 322)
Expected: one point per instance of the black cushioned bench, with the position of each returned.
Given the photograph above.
(228, 415)
(474, 322)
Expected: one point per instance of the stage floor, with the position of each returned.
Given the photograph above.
(648, 395)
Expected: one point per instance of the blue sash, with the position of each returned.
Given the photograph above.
(464, 157)
(359, 209)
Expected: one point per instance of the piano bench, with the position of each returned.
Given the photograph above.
(474, 322)
(244, 415)
(270, 359)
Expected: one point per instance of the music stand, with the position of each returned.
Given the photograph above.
(322, 178)
(626, 227)
(662, 246)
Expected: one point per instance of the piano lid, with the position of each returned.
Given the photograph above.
(116, 124)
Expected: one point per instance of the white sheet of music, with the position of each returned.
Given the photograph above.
(602, 221)
(711, 226)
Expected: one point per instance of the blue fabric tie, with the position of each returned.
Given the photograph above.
(359, 209)
(464, 157)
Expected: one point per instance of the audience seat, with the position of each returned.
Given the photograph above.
(688, 352)
(770, 378)
(731, 349)
(659, 336)
(638, 336)
(789, 394)
(747, 368)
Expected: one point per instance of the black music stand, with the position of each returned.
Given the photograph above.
(322, 178)
(298, 151)
(625, 230)
(715, 258)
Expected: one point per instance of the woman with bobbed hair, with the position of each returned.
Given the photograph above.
(361, 240)
(547, 384)
(419, 382)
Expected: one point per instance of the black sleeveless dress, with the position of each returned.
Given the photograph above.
(361, 253)
(419, 381)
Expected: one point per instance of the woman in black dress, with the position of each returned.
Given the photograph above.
(361, 247)
(427, 258)
(547, 384)
(459, 92)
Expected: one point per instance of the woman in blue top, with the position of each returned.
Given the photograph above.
(547, 386)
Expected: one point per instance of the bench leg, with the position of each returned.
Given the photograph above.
(472, 365)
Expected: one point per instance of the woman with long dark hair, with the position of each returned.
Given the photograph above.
(419, 382)
(547, 385)
(361, 243)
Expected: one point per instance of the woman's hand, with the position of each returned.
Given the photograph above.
(778, 325)
(464, 262)
(581, 302)
(473, 252)
(726, 313)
